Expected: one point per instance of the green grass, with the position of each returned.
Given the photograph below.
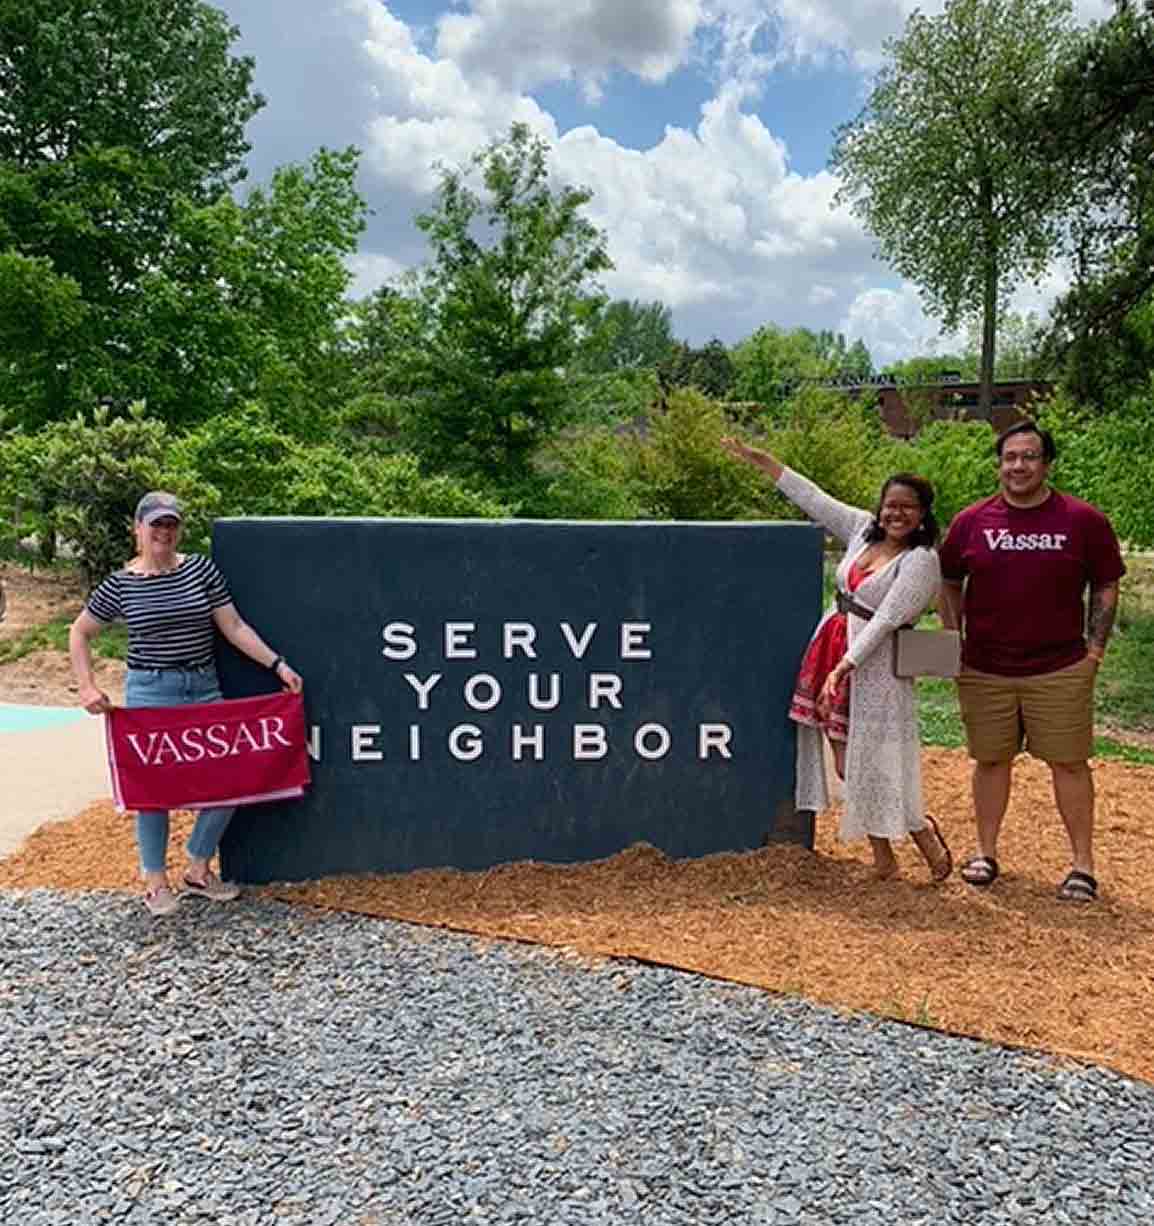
(112, 644)
(1123, 697)
(939, 719)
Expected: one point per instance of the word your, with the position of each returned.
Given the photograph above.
(456, 641)
(1005, 539)
(483, 692)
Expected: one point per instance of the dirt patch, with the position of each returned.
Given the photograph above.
(44, 678)
(35, 598)
(1008, 964)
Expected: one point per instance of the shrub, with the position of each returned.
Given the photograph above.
(1108, 459)
(836, 442)
(618, 396)
(585, 474)
(258, 469)
(244, 456)
(85, 477)
(325, 481)
(957, 457)
(679, 470)
(21, 475)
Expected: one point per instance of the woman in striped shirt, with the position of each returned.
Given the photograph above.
(172, 602)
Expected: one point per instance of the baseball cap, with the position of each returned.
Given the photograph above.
(158, 504)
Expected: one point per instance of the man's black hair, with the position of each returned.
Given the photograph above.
(1049, 451)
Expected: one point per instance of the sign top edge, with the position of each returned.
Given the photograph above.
(514, 523)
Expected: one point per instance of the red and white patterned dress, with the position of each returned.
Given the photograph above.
(822, 656)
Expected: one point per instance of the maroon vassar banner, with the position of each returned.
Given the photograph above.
(237, 752)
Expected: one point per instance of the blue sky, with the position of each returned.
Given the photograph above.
(703, 128)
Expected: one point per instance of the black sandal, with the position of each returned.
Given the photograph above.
(980, 870)
(945, 864)
(1078, 887)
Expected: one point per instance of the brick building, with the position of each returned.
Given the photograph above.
(903, 406)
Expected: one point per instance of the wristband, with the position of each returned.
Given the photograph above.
(276, 664)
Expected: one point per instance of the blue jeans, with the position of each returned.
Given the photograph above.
(174, 687)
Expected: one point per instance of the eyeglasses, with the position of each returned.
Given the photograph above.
(1027, 457)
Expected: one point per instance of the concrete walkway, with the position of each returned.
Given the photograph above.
(52, 764)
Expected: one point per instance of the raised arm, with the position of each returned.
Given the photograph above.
(838, 518)
(753, 455)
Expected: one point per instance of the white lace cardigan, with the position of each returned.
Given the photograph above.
(883, 784)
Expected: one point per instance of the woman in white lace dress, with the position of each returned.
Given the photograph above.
(846, 688)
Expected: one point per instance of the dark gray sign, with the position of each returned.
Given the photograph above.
(480, 691)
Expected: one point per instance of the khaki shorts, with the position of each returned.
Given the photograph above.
(1052, 714)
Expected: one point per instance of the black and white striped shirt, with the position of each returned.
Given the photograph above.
(169, 616)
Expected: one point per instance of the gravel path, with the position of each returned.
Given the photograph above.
(261, 1064)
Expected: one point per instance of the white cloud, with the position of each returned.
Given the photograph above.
(522, 43)
(857, 29)
(428, 110)
(710, 220)
(715, 224)
(370, 270)
(892, 324)
(1037, 297)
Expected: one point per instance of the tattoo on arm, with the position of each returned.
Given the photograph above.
(1103, 610)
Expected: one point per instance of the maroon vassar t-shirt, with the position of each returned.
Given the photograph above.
(1027, 570)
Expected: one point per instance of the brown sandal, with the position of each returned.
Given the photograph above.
(945, 864)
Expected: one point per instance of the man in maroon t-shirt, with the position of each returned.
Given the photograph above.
(1016, 568)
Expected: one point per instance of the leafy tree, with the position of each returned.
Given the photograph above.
(587, 474)
(112, 117)
(40, 314)
(709, 369)
(932, 368)
(933, 165)
(497, 323)
(858, 360)
(249, 301)
(1098, 123)
(1103, 359)
(844, 359)
(380, 335)
(626, 335)
(612, 399)
(770, 364)
(1020, 348)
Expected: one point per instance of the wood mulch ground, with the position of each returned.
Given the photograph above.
(1008, 964)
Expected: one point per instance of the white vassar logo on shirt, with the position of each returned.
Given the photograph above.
(1003, 538)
